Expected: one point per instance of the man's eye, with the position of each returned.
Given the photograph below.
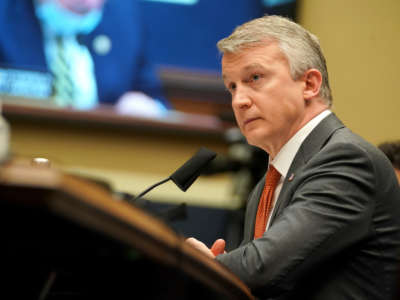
(255, 77)
(232, 87)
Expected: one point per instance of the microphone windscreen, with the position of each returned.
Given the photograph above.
(188, 173)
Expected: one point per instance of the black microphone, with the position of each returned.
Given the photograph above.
(187, 173)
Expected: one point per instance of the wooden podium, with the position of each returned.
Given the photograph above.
(64, 237)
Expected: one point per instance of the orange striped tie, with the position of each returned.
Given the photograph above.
(265, 204)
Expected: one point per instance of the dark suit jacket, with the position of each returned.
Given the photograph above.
(335, 232)
(124, 68)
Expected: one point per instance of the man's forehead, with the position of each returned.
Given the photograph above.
(251, 58)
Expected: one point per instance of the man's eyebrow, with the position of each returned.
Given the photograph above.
(247, 68)
(253, 66)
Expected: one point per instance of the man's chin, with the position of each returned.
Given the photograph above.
(254, 139)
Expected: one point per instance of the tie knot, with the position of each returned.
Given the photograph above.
(272, 177)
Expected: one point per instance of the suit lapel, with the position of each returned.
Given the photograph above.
(28, 35)
(310, 146)
(251, 211)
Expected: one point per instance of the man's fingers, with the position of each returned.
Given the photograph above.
(218, 247)
(200, 246)
(196, 243)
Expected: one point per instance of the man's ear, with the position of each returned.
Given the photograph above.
(313, 81)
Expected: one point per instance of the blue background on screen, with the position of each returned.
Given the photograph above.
(186, 35)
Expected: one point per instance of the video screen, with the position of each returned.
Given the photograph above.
(128, 57)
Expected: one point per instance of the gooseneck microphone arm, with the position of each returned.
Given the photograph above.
(150, 188)
(186, 174)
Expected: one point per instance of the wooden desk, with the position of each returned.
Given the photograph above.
(92, 233)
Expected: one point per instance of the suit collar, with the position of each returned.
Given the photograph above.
(311, 145)
(318, 138)
(287, 153)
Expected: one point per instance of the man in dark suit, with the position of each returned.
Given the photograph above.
(110, 31)
(328, 228)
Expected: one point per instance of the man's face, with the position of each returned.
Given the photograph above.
(268, 104)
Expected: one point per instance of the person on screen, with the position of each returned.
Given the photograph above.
(324, 223)
(94, 48)
(392, 151)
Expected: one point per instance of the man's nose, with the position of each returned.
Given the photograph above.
(241, 99)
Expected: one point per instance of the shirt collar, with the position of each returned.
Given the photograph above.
(285, 156)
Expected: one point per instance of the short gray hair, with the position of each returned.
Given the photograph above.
(300, 47)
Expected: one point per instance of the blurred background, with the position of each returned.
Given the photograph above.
(157, 96)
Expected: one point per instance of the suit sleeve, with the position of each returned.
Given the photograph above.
(330, 210)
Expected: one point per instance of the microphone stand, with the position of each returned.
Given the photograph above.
(149, 189)
(183, 178)
(169, 215)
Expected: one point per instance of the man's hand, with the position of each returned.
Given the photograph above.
(217, 248)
